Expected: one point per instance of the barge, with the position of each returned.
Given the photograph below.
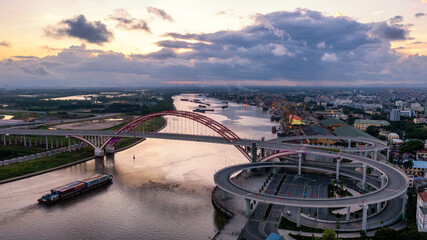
(75, 188)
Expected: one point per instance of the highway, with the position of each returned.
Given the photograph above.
(274, 144)
(397, 184)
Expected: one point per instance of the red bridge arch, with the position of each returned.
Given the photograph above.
(217, 127)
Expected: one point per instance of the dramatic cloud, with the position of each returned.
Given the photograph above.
(389, 32)
(417, 15)
(396, 19)
(5, 44)
(125, 20)
(79, 27)
(160, 13)
(302, 47)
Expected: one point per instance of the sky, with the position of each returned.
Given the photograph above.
(167, 43)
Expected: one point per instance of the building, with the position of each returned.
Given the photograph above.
(419, 120)
(363, 124)
(407, 113)
(399, 104)
(392, 136)
(422, 155)
(332, 123)
(395, 115)
(418, 169)
(422, 212)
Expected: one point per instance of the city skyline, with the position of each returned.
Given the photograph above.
(133, 44)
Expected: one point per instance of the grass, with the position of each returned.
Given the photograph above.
(23, 168)
(14, 151)
(289, 225)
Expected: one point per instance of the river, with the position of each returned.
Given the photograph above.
(164, 193)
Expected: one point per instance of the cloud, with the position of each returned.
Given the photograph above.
(78, 27)
(396, 19)
(329, 57)
(389, 32)
(160, 13)
(5, 44)
(420, 14)
(126, 21)
(315, 50)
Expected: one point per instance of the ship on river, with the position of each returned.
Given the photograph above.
(75, 188)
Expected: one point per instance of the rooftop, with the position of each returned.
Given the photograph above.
(423, 196)
(369, 121)
(347, 131)
(332, 122)
(420, 164)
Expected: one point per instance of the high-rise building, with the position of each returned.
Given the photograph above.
(395, 115)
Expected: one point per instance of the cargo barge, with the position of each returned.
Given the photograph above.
(75, 188)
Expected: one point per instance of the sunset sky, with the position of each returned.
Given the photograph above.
(106, 43)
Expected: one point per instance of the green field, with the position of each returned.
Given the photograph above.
(23, 168)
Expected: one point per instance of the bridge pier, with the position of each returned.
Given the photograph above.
(47, 144)
(404, 200)
(109, 148)
(69, 143)
(365, 167)
(388, 153)
(254, 151)
(25, 141)
(99, 152)
(337, 177)
(299, 217)
(382, 185)
(349, 143)
(365, 216)
(248, 207)
(300, 156)
(347, 217)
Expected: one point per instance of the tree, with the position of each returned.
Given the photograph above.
(373, 131)
(337, 226)
(328, 234)
(408, 164)
(386, 234)
(411, 146)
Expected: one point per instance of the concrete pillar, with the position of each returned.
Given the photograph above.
(365, 216)
(404, 200)
(56, 139)
(254, 150)
(4, 139)
(109, 148)
(365, 167)
(47, 144)
(349, 143)
(299, 217)
(337, 177)
(299, 163)
(327, 142)
(388, 153)
(223, 196)
(10, 140)
(248, 207)
(376, 155)
(51, 142)
(25, 141)
(347, 217)
(99, 152)
(69, 144)
(274, 170)
(29, 140)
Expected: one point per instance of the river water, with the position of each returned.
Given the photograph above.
(164, 193)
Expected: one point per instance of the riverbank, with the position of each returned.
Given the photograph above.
(23, 170)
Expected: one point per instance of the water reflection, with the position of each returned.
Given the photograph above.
(162, 193)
